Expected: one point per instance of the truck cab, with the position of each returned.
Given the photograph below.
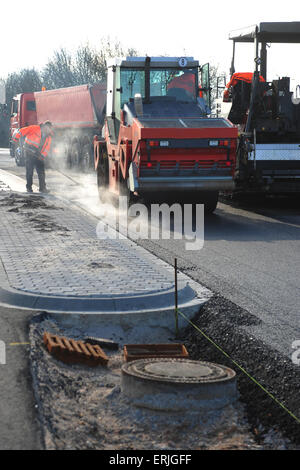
(23, 113)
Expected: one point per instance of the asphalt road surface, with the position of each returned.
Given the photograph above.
(251, 254)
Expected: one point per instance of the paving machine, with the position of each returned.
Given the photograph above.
(267, 114)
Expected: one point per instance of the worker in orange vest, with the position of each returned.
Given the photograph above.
(37, 143)
(236, 77)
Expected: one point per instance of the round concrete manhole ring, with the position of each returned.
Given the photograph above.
(178, 384)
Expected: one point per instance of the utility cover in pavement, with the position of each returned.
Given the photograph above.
(178, 384)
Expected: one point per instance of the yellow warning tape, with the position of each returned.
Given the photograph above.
(240, 367)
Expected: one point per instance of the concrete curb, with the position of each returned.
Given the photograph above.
(87, 311)
(130, 303)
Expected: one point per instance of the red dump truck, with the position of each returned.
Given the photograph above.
(76, 114)
(158, 139)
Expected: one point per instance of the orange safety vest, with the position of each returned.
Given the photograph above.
(236, 77)
(33, 138)
(185, 81)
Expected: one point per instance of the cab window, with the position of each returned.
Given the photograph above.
(30, 106)
(14, 107)
(179, 84)
(132, 82)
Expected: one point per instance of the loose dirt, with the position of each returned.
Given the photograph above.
(84, 408)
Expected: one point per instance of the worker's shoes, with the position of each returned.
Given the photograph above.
(29, 190)
(44, 191)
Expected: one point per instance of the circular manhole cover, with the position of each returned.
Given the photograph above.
(178, 384)
(177, 370)
(182, 371)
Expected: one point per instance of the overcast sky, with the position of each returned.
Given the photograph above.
(31, 30)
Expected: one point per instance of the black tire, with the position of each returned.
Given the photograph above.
(68, 156)
(86, 157)
(125, 191)
(102, 173)
(75, 155)
(12, 151)
(63, 160)
(19, 156)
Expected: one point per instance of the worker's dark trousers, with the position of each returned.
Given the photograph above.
(32, 162)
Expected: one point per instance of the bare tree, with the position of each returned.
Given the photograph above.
(25, 81)
(86, 65)
(113, 48)
(59, 71)
(217, 79)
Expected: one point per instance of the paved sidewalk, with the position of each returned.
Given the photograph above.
(48, 249)
(53, 260)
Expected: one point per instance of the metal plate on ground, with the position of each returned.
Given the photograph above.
(133, 352)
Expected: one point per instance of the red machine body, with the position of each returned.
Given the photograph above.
(69, 107)
(163, 143)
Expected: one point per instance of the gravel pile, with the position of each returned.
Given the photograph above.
(225, 323)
